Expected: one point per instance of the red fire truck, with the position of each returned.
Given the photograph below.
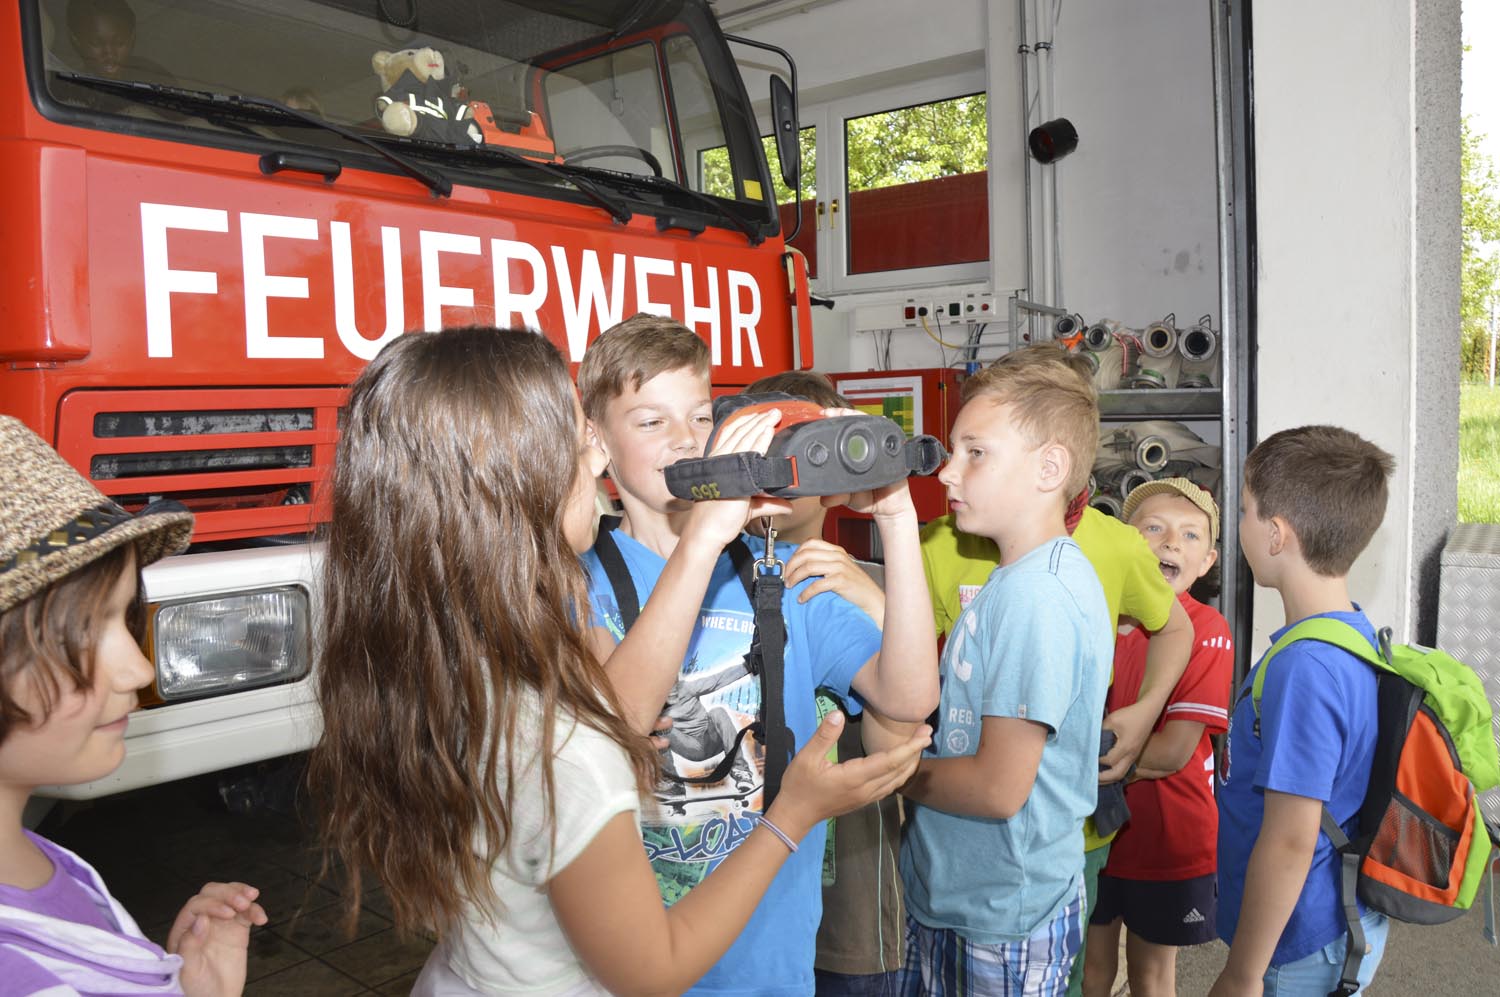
(209, 232)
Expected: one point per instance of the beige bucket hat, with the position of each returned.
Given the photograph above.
(53, 522)
(1175, 486)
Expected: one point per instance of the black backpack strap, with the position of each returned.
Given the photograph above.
(616, 571)
(1348, 890)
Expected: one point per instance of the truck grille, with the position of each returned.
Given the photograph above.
(247, 461)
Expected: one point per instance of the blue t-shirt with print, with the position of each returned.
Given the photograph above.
(1035, 644)
(1318, 717)
(692, 828)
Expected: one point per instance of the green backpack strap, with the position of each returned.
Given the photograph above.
(1319, 628)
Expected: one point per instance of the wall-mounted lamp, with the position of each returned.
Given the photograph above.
(1052, 140)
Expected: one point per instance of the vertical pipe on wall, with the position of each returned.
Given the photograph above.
(1043, 292)
(1046, 38)
(1023, 52)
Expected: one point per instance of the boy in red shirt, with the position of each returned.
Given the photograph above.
(1160, 878)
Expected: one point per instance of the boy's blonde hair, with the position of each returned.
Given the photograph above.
(633, 352)
(1052, 403)
(1330, 484)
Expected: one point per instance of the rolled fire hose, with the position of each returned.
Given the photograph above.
(1100, 336)
(1145, 378)
(1116, 357)
(1067, 327)
(1184, 443)
(1152, 453)
(1120, 480)
(1199, 350)
(1107, 504)
(1160, 338)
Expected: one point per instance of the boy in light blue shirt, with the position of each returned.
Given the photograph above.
(992, 861)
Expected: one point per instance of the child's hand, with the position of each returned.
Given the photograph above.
(1132, 726)
(212, 934)
(1228, 986)
(720, 520)
(836, 572)
(815, 788)
(886, 503)
(659, 733)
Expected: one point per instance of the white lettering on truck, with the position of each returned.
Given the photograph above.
(160, 279)
(259, 286)
(521, 284)
(343, 290)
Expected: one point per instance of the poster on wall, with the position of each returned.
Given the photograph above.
(897, 398)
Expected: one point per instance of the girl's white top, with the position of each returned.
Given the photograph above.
(518, 947)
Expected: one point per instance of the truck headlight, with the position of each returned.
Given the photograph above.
(231, 642)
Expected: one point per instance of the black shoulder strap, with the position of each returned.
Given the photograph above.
(767, 652)
(767, 648)
(743, 560)
(616, 571)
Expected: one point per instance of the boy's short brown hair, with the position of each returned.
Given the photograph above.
(809, 384)
(1331, 485)
(1052, 401)
(633, 352)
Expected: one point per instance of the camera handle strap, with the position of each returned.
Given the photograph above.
(765, 660)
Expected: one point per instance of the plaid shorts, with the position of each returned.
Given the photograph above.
(939, 963)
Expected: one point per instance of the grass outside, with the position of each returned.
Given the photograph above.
(1479, 453)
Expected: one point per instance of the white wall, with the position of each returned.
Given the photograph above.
(1356, 130)
(1138, 202)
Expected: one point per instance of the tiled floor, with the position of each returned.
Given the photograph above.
(156, 847)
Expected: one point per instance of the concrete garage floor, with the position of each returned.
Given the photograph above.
(1446, 960)
(155, 847)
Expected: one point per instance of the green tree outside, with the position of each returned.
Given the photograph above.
(907, 145)
(1480, 263)
(924, 142)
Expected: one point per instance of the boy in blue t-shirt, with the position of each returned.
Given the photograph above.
(1313, 497)
(992, 861)
(645, 392)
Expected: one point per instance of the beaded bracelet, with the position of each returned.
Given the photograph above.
(785, 839)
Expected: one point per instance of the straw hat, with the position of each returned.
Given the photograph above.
(1176, 486)
(53, 522)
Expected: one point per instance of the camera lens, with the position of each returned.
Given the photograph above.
(893, 444)
(817, 454)
(857, 449)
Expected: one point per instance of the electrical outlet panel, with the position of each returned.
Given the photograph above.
(979, 307)
(914, 311)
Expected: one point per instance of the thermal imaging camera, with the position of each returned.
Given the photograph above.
(811, 454)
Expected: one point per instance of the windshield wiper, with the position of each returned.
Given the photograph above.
(584, 186)
(256, 110)
(751, 231)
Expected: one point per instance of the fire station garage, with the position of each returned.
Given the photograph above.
(1234, 217)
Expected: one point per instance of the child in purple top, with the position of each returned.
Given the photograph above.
(71, 617)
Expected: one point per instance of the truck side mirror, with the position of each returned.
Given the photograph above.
(788, 141)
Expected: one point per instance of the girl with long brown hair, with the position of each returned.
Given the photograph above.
(474, 761)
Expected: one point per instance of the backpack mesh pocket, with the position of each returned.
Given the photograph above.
(1409, 840)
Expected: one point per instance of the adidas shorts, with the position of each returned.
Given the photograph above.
(1167, 912)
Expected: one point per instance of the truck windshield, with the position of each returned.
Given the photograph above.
(617, 90)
